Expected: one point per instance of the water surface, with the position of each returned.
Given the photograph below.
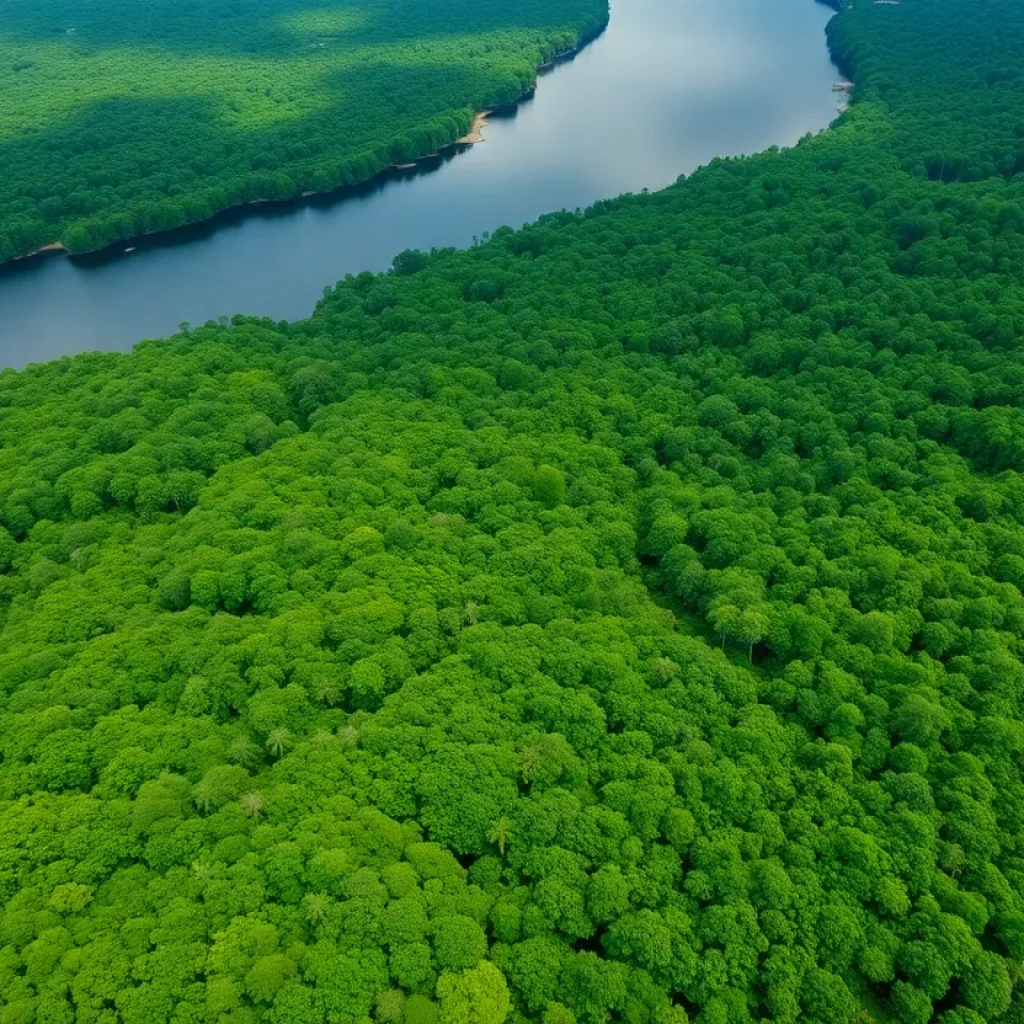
(668, 85)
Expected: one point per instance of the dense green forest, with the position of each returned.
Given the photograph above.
(122, 117)
(620, 621)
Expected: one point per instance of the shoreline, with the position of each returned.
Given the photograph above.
(45, 250)
(471, 138)
(475, 133)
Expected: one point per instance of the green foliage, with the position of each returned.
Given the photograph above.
(477, 996)
(121, 118)
(621, 620)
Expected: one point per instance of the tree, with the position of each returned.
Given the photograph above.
(549, 486)
(391, 1006)
(986, 985)
(278, 741)
(459, 943)
(267, 976)
(476, 996)
(316, 906)
(253, 804)
(607, 894)
(500, 833)
(219, 786)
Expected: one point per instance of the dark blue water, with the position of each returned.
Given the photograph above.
(669, 85)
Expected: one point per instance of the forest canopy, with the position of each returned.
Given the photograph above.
(620, 621)
(123, 117)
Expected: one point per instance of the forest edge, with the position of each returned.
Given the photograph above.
(472, 137)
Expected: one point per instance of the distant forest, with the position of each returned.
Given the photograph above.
(620, 622)
(121, 117)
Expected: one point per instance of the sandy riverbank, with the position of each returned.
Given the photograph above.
(475, 133)
(42, 251)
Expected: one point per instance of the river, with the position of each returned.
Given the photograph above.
(668, 85)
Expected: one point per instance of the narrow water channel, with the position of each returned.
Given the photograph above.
(669, 85)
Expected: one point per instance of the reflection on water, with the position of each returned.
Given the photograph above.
(668, 86)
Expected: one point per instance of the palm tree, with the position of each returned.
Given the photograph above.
(252, 804)
(203, 800)
(316, 905)
(244, 752)
(501, 833)
(203, 870)
(278, 741)
(322, 738)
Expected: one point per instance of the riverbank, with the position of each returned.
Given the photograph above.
(274, 259)
(47, 250)
(473, 136)
(475, 133)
